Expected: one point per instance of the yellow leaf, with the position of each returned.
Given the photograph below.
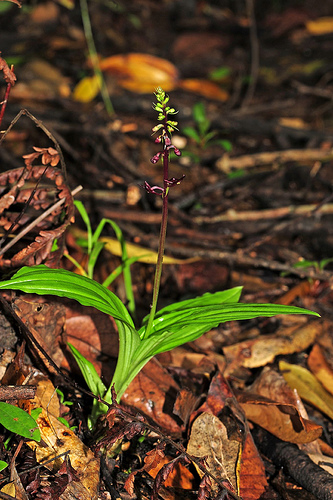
(146, 255)
(87, 89)
(308, 387)
(320, 26)
(141, 73)
(9, 489)
(205, 88)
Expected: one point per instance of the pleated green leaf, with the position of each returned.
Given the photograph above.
(45, 281)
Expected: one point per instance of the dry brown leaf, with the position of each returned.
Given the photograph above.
(209, 440)
(281, 420)
(204, 88)
(95, 335)
(151, 392)
(251, 471)
(57, 439)
(320, 368)
(262, 350)
(141, 73)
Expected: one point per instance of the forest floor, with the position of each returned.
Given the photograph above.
(253, 84)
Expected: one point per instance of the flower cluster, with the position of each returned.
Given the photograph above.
(166, 128)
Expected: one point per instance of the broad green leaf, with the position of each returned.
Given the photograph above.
(18, 421)
(178, 327)
(128, 347)
(45, 281)
(208, 299)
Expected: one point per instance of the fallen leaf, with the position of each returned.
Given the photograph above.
(320, 368)
(308, 387)
(280, 419)
(251, 478)
(180, 476)
(145, 255)
(153, 391)
(95, 335)
(87, 89)
(252, 475)
(262, 350)
(58, 439)
(141, 73)
(320, 26)
(204, 88)
(209, 440)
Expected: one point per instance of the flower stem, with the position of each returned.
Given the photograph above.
(161, 243)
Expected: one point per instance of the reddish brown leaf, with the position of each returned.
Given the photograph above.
(184, 404)
(151, 392)
(252, 477)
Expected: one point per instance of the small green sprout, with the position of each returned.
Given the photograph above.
(202, 134)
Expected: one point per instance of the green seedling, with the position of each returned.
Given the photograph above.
(160, 331)
(317, 265)
(202, 134)
(65, 403)
(62, 398)
(94, 248)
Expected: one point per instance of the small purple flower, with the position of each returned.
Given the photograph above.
(155, 158)
(153, 189)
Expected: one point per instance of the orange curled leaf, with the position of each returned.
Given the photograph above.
(141, 73)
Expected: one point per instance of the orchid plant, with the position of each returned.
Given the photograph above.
(161, 331)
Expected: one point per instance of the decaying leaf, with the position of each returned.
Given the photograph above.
(46, 320)
(272, 404)
(320, 368)
(250, 473)
(141, 73)
(209, 440)
(263, 349)
(151, 392)
(58, 439)
(282, 420)
(308, 387)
